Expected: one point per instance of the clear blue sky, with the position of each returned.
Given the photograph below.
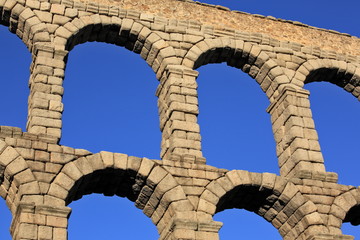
(110, 104)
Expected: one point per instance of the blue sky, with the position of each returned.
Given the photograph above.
(110, 104)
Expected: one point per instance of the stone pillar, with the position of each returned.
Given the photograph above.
(40, 222)
(45, 100)
(178, 110)
(297, 144)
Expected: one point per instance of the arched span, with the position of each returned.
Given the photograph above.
(269, 196)
(15, 176)
(141, 180)
(343, 74)
(246, 56)
(122, 32)
(346, 208)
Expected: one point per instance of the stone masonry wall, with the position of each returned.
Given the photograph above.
(180, 192)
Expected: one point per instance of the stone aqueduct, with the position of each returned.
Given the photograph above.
(180, 193)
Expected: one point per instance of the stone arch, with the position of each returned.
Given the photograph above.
(153, 189)
(248, 57)
(17, 181)
(50, 60)
(343, 74)
(267, 195)
(345, 208)
(125, 32)
(22, 21)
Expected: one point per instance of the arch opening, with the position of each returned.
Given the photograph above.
(331, 75)
(110, 182)
(232, 57)
(99, 217)
(250, 202)
(113, 33)
(5, 221)
(267, 195)
(242, 224)
(122, 32)
(252, 198)
(336, 123)
(251, 59)
(231, 97)
(14, 65)
(342, 77)
(351, 222)
(353, 216)
(110, 104)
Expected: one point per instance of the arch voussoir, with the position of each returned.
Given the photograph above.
(143, 181)
(343, 74)
(120, 31)
(278, 201)
(345, 208)
(6, 8)
(248, 57)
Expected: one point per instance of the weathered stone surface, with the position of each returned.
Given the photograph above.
(180, 193)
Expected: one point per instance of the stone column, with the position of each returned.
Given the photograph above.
(178, 110)
(45, 100)
(297, 144)
(40, 222)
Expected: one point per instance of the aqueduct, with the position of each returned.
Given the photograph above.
(175, 37)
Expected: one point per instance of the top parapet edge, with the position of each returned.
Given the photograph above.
(297, 23)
